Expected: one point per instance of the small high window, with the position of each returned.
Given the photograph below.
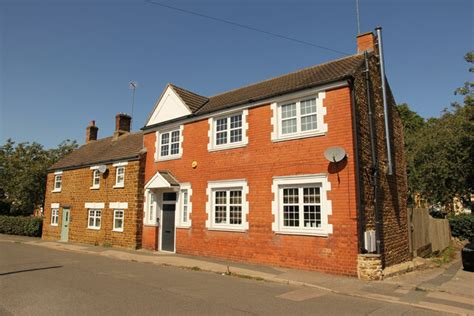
(58, 181)
(95, 179)
(120, 177)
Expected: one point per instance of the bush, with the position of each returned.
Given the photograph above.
(18, 225)
(462, 226)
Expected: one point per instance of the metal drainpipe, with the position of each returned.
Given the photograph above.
(359, 206)
(375, 163)
(378, 29)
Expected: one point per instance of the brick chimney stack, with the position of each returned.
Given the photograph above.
(91, 132)
(366, 42)
(122, 124)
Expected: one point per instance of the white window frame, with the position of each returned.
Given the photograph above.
(158, 156)
(118, 166)
(95, 175)
(55, 216)
(151, 210)
(214, 186)
(212, 132)
(301, 181)
(58, 175)
(184, 187)
(95, 217)
(276, 121)
(120, 229)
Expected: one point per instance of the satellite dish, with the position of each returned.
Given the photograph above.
(102, 168)
(335, 154)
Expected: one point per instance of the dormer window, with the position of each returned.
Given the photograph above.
(58, 179)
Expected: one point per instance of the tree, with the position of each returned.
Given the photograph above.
(440, 151)
(23, 171)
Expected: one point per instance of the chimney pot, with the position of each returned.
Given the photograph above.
(91, 132)
(365, 42)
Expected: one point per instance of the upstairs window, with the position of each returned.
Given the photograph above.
(95, 179)
(169, 144)
(58, 180)
(228, 131)
(120, 177)
(297, 118)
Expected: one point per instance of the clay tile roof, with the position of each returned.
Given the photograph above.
(193, 101)
(302, 79)
(169, 177)
(126, 147)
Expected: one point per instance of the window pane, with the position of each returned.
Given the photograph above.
(288, 126)
(235, 197)
(236, 121)
(220, 215)
(185, 196)
(221, 138)
(312, 216)
(185, 213)
(164, 150)
(221, 124)
(91, 222)
(235, 215)
(308, 106)
(175, 136)
(311, 195)
(97, 222)
(308, 123)
(288, 110)
(290, 196)
(174, 148)
(291, 215)
(165, 138)
(169, 196)
(235, 135)
(221, 197)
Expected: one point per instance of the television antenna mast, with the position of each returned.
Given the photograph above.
(358, 16)
(132, 85)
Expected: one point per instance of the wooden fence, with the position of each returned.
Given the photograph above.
(427, 234)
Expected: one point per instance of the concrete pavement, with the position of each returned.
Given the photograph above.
(449, 291)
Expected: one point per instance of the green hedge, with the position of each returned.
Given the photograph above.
(462, 226)
(18, 225)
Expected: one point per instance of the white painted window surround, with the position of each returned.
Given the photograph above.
(169, 143)
(94, 218)
(227, 206)
(54, 216)
(299, 116)
(151, 206)
(120, 174)
(95, 179)
(304, 200)
(118, 220)
(185, 206)
(58, 179)
(228, 130)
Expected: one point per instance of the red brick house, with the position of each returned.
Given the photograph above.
(95, 194)
(242, 175)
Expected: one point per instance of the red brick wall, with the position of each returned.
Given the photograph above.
(258, 162)
(75, 192)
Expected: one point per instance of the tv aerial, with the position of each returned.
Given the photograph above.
(335, 154)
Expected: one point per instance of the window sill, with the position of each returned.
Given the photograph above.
(117, 230)
(168, 158)
(302, 233)
(54, 225)
(228, 229)
(94, 188)
(93, 228)
(298, 136)
(119, 186)
(56, 191)
(183, 226)
(150, 224)
(225, 147)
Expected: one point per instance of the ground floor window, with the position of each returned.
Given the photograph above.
(185, 205)
(301, 205)
(94, 219)
(118, 220)
(54, 217)
(227, 205)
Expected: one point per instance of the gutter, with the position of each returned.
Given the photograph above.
(104, 162)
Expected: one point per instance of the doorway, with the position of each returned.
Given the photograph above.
(65, 224)
(168, 210)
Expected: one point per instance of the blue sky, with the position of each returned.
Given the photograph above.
(64, 63)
